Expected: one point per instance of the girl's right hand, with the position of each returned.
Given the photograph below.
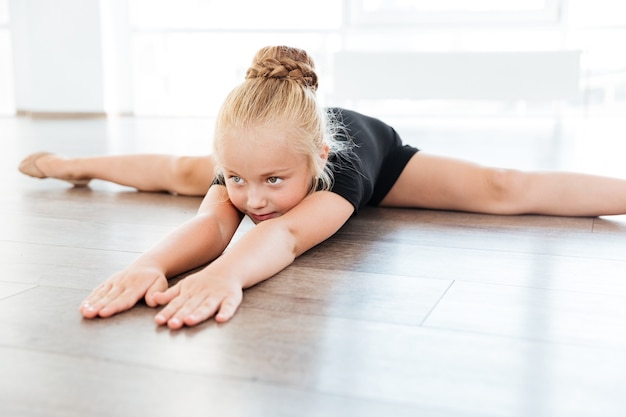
(122, 291)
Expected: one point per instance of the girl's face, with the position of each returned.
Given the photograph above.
(264, 177)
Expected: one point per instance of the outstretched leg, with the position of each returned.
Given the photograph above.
(449, 184)
(146, 172)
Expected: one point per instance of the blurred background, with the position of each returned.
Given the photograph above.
(179, 58)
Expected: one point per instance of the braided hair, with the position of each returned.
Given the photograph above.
(279, 91)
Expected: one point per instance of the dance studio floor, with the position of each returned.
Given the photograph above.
(402, 313)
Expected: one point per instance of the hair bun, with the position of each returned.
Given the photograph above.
(284, 63)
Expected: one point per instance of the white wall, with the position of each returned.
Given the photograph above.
(181, 57)
(57, 56)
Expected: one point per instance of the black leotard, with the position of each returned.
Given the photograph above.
(371, 167)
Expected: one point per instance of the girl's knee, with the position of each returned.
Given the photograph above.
(506, 189)
(191, 175)
(182, 169)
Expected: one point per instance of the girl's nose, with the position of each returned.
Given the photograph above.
(256, 198)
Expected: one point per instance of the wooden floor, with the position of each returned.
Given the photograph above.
(402, 313)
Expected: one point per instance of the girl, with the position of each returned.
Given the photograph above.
(299, 172)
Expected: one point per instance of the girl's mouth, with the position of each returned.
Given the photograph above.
(262, 217)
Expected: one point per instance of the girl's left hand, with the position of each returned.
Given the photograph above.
(197, 298)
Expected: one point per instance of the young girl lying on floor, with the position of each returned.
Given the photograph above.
(299, 172)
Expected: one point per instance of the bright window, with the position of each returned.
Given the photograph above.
(453, 5)
(7, 102)
(380, 12)
(4, 12)
(188, 54)
(190, 73)
(236, 14)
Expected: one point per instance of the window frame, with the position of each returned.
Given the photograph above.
(7, 103)
(360, 18)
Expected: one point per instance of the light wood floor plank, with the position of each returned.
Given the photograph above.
(61, 266)
(553, 316)
(347, 294)
(31, 387)
(488, 266)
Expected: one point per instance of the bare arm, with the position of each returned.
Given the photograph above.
(264, 251)
(198, 241)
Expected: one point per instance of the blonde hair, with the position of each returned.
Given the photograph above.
(279, 92)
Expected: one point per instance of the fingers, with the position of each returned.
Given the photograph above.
(107, 300)
(122, 291)
(178, 311)
(227, 310)
(193, 309)
(92, 305)
(187, 303)
(162, 298)
(155, 294)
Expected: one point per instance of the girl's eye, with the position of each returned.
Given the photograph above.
(274, 180)
(235, 179)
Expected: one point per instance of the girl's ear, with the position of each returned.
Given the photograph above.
(323, 157)
(324, 152)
